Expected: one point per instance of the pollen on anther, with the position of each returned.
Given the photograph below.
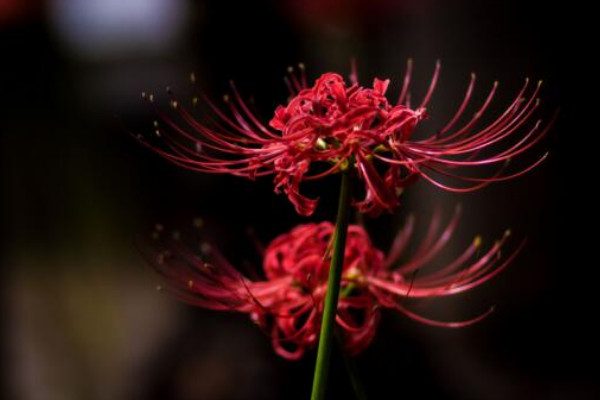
(192, 77)
(477, 241)
(198, 222)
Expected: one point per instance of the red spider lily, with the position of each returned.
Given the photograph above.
(288, 301)
(333, 126)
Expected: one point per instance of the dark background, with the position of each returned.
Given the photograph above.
(82, 319)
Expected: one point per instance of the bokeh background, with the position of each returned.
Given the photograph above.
(82, 318)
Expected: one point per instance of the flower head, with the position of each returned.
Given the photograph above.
(288, 301)
(335, 125)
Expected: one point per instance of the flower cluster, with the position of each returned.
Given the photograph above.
(333, 126)
(288, 301)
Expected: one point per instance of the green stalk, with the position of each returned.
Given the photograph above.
(359, 390)
(333, 291)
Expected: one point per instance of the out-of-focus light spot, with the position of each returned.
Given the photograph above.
(109, 28)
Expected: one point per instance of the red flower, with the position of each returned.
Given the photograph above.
(288, 301)
(333, 126)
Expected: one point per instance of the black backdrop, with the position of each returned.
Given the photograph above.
(82, 318)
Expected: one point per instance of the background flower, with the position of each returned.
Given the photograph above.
(288, 302)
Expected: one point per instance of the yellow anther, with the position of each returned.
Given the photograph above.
(344, 165)
(380, 148)
(353, 274)
(321, 144)
(205, 247)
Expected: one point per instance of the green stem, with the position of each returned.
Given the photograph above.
(333, 291)
(359, 390)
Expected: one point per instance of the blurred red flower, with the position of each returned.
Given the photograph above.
(288, 301)
(334, 126)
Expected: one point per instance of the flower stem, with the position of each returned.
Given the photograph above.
(333, 291)
(359, 390)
